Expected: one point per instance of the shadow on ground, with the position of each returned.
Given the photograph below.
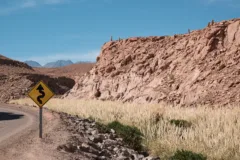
(6, 116)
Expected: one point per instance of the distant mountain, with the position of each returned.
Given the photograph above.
(59, 63)
(83, 62)
(33, 63)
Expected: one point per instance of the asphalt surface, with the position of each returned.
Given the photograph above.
(13, 121)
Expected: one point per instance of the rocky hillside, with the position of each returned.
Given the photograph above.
(17, 78)
(201, 67)
(9, 62)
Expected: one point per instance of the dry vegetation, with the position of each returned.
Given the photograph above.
(215, 131)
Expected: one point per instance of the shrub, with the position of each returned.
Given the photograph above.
(187, 155)
(157, 118)
(131, 135)
(91, 118)
(180, 123)
(102, 128)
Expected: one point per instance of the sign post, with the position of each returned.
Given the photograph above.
(41, 94)
(40, 122)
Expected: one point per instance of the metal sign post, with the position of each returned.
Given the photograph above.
(40, 94)
(40, 122)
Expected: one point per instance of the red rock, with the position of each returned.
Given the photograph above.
(232, 31)
(195, 68)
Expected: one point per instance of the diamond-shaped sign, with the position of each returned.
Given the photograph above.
(40, 94)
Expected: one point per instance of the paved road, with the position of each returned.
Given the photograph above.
(13, 121)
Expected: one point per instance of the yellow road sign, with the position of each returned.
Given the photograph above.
(40, 94)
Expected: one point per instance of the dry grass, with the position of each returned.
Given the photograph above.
(215, 131)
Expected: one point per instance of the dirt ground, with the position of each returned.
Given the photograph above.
(28, 146)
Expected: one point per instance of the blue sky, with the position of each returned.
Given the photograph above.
(48, 30)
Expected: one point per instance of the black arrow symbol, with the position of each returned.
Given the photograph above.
(41, 90)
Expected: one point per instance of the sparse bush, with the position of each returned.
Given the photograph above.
(180, 123)
(131, 135)
(102, 128)
(91, 118)
(187, 155)
(156, 118)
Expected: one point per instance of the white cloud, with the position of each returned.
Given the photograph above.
(76, 56)
(8, 8)
(16, 5)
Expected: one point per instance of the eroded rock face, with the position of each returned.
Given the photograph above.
(197, 68)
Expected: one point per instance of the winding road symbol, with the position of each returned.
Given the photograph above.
(40, 94)
(41, 91)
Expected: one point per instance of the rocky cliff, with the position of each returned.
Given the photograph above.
(201, 67)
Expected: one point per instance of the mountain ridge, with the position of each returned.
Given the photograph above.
(54, 64)
(58, 63)
(33, 63)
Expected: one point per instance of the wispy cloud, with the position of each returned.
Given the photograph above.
(28, 4)
(15, 5)
(75, 56)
